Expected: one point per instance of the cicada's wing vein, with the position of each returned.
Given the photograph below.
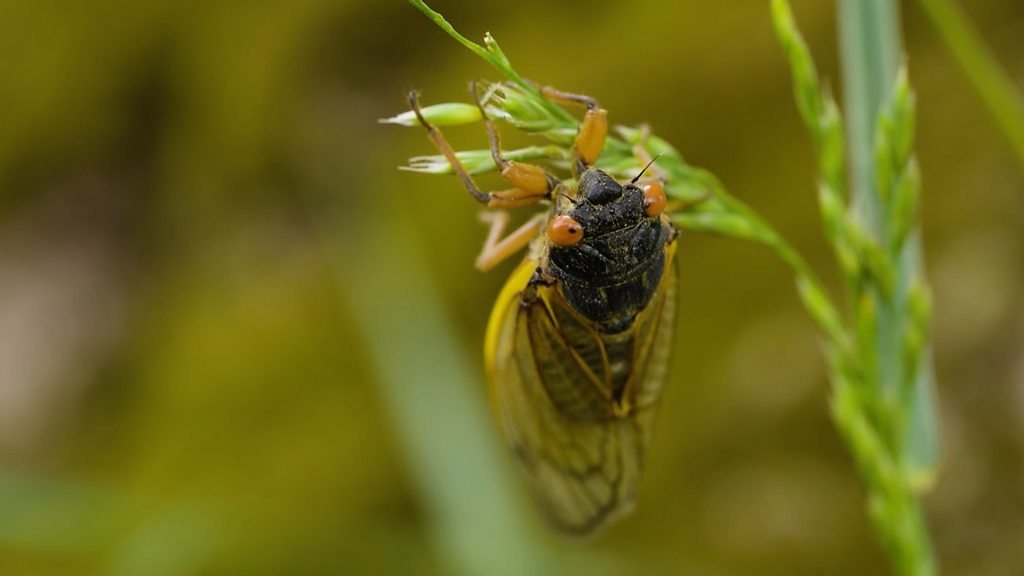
(578, 389)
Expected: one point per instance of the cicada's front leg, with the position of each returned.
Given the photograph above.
(593, 130)
(532, 183)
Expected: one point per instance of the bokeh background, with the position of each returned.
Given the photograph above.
(234, 339)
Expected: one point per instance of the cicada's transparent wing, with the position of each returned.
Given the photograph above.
(576, 470)
(551, 395)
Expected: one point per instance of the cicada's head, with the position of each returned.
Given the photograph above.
(607, 229)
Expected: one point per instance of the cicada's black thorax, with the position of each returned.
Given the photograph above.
(612, 273)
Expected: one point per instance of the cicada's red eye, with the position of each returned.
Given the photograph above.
(564, 231)
(654, 199)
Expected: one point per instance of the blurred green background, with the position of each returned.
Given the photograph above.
(234, 339)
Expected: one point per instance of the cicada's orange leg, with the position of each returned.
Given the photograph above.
(531, 183)
(593, 130)
(496, 249)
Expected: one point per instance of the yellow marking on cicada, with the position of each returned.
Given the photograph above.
(513, 287)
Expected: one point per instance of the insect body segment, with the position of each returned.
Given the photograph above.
(578, 344)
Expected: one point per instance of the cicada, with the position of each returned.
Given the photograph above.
(578, 343)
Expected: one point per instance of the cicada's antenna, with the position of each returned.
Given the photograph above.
(637, 177)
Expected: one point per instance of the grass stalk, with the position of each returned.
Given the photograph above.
(869, 52)
(883, 397)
